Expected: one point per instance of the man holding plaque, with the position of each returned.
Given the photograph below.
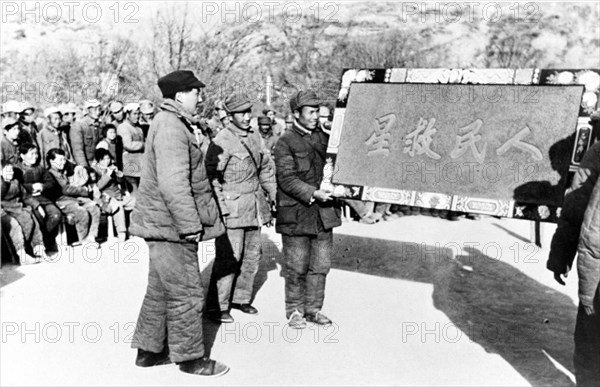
(306, 214)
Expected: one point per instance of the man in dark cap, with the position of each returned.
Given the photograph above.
(241, 170)
(265, 127)
(271, 114)
(306, 214)
(175, 210)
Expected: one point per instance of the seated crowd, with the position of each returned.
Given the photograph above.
(71, 170)
(74, 169)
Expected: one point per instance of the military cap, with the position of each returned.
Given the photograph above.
(304, 98)
(12, 106)
(146, 106)
(177, 81)
(91, 103)
(27, 106)
(236, 103)
(264, 121)
(115, 106)
(51, 110)
(131, 107)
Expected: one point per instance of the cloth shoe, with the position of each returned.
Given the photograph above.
(246, 308)
(297, 321)
(203, 367)
(151, 359)
(220, 317)
(318, 318)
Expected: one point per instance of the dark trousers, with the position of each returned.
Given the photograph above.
(171, 313)
(307, 262)
(86, 218)
(49, 224)
(236, 264)
(587, 348)
(32, 232)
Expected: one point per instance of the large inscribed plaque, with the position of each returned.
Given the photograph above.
(484, 141)
(493, 141)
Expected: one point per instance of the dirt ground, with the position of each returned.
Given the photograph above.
(415, 301)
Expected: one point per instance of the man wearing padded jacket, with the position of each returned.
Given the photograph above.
(175, 210)
(306, 215)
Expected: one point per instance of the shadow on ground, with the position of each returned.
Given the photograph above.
(10, 273)
(272, 259)
(496, 305)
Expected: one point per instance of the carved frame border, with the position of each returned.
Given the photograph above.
(590, 78)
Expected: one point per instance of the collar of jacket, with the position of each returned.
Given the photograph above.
(267, 134)
(301, 130)
(90, 120)
(175, 107)
(52, 129)
(239, 131)
(192, 123)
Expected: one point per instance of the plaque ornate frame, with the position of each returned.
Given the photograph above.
(590, 78)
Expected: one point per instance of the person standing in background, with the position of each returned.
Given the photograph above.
(133, 145)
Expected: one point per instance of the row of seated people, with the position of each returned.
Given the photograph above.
(34, 199)
(120, 129)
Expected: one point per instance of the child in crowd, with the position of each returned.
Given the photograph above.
(110, 182)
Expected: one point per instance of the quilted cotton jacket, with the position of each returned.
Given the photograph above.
(299, 159)
(244, 192)
(175, 198)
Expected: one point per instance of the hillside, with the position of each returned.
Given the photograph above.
(57, 59)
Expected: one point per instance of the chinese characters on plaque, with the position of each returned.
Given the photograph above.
(420, 140)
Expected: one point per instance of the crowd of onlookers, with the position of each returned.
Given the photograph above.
(73, 166)
(64, 168)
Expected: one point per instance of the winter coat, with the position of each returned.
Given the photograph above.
(51, 138)
(299, 160)
(28, 134)
(588, 260)
(84, 136)
(564, 242)
(69, 192)
(240, 188)
(29, 175)
(10, 151)
(175, 198)
(133, 148)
